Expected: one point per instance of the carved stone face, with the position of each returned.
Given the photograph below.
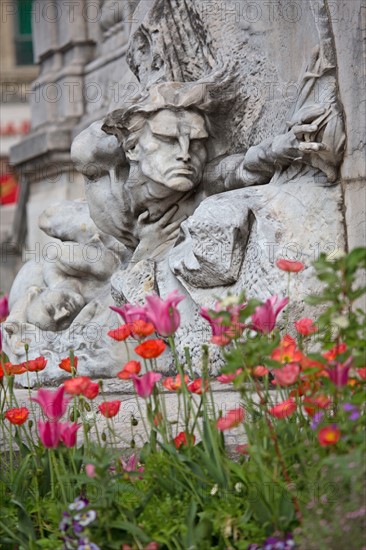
(171, 149)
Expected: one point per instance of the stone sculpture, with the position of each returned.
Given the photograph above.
(168, 207)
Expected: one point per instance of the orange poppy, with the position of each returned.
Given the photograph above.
(150, 349)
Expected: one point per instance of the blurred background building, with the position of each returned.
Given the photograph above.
(79, 49)
(16, 75)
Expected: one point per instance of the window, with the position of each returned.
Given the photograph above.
(23, 33)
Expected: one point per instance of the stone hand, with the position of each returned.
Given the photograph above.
(156, 236)
(299, 141)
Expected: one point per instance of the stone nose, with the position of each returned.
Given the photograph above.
(183, 151)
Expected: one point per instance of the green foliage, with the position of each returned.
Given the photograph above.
(199, 493)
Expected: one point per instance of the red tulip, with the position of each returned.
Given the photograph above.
(284, 409)
(329, 435)
(233, 418)
(264, 318)
(291, 266)
(49, 433)
(150, 349)
(145, 384)
(305, 326)
(110, 408)
(17, 416)
(53, 403)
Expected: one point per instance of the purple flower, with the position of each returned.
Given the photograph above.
(84, 544)
(65, 523)
(355, 413)
(79, 503)
(85, 518)
(317, 418)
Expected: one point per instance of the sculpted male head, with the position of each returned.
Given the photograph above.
(166, 134)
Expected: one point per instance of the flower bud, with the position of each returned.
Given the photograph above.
(134, 421)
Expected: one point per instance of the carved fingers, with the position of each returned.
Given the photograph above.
(311, 147)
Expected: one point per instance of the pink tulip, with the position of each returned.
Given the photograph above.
(224, 332)
(49, 433)
(53, 403)
(287, 375)
(163, 314)
(131, 313)
(132, 464)
(338, 372)
(144, 384)
(68, 433)
(264, 318)
(90, 470)
(4, 308)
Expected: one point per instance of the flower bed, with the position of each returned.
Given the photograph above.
(296, 481)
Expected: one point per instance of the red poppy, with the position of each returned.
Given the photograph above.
(232, 419)
(284, 409)
(121, 333)
(260, 371)
(184, 439)
(305, 326)
(242, 449)
(336, 350)
(362, 373)
(36, 365)
(77, 385)
(291, 266)
(109, 408)
(174, 384)
(329, 435)
(287, 351)
(196, 386)
(313, 404)
(17, 416)
(132, 367)
(91, 391)
(158, 418)
(66, 364)
(1, 372)
(141, 329)
(150, 349)
(287, 375)
(11, 369)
